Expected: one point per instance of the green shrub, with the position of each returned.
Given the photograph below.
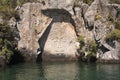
(7, 8)
(117, 25)
(85, 1)
(81, 41)
(114, 35)
(6, 41)
(21, 2)
(110, 18)
(115, 1)
(88, 1)
(1, 40)
(98, 17)
(91, 47)
(6, 51)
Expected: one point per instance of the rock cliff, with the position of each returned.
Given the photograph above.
(68, 29)
(50, 28)
(47, 30)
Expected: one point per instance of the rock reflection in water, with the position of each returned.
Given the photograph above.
(61, 71)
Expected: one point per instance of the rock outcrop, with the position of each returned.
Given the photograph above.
(100, 18)
(47, 31)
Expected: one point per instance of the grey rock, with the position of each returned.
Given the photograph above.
(112, 54)
(30, 26)
(48, 29)
(97, 7)
(115, 8)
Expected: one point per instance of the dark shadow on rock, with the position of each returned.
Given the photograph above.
(57, 15)
(42, 42)
(17, 58)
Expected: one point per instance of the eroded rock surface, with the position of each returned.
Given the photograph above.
(49, 31)
(49, 28)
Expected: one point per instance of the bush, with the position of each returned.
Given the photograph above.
(98, 17)
(114, 35)
(91, 47)
(6, 41)
(7, 8)
(115, 1)
(117, 25)
(6, 51)
(81, 41)
(88, 1)
(85, 1)
(110, 18)
(21, 2)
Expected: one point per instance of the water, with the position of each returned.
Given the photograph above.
(61, 71)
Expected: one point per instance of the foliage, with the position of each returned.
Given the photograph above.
(115, 1)
(1, 40)
(81, 41)
(110, 18)
(88, 1)
(7, 41)
(98, 17)
(5, 31)
(91, 47)
(6, 51)
(7, 8)
(85, 1)
(117, 25)
(24, 1)
(88, 49)
(113, 35)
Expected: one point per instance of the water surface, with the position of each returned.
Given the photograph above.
(61, 71)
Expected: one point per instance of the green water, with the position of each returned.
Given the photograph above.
(61, 71)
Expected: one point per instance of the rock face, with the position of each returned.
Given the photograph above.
(29, 27)
(100, 18)
(49, 31)
(112, 55)
(61, 42)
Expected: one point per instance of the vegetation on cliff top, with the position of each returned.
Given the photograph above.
(115, 1)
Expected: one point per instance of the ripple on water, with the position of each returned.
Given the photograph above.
(61, 71)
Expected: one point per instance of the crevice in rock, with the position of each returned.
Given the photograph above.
(103, 49)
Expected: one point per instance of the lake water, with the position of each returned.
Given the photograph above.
(61, 71)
